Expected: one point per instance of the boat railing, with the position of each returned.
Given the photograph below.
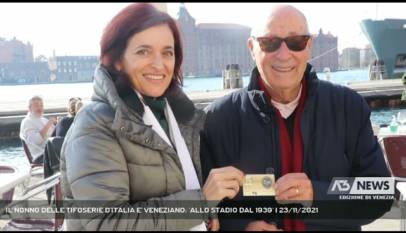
(377, 72)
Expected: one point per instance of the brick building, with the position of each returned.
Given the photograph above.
(324, 52)
(15, 51)
(210, 47)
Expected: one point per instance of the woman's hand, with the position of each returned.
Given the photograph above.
(223, 182)
(261, 226)
(214, 224)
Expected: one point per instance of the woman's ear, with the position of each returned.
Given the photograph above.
(118, 66)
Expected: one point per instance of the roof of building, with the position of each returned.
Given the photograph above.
(327, 35)
(324, 36)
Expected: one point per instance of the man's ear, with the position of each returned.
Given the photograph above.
(309, 46)
(250, 45)
(310, 43)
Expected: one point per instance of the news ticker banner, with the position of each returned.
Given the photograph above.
(343, 209)
(350, 198)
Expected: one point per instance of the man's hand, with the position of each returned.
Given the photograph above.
(294, 188)
(261, 226)
(44, 131)
(52, 120)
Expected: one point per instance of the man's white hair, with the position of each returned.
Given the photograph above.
(34, 98)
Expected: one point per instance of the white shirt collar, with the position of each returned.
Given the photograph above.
(33, 116)
(287, 109)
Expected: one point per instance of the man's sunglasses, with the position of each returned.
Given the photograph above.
(294, 43)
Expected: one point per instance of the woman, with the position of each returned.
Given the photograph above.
(137, 143)
(64, 124)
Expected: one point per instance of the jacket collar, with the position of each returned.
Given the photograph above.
(105, 91)
(258, 97)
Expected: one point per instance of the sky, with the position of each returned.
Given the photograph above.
(75, 28)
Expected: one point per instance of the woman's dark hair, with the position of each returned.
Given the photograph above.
(72, 110)
(129, 21)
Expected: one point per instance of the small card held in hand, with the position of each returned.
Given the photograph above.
(259, 185)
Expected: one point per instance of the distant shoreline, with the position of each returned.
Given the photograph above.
(185, 78)
(30, 84)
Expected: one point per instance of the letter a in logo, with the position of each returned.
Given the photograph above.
(341, 185)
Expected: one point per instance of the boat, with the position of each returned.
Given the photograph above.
(388, 41)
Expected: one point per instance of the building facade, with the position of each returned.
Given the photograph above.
(24, 73)
(17, 65)
(75, 68)
(367, 57)
(324, 52)
(210, 47)
(15, 51)
(350, 58)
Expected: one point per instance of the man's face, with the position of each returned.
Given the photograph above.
(282, 68)
(37, 108)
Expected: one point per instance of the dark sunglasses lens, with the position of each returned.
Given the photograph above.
(297, 43)
(270, 45)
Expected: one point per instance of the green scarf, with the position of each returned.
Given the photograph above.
(404, 84)
(157, 106)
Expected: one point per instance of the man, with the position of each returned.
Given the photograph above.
(305, 130)
(35, 129)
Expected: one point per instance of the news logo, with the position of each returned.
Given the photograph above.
(362, 187)
(341, 185)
